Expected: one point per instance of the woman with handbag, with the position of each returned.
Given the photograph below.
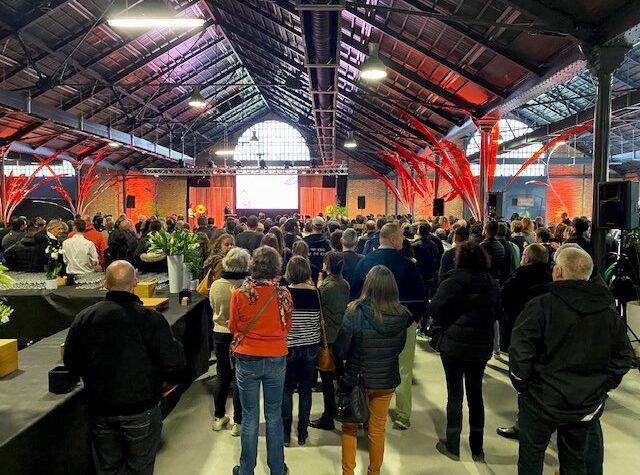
(260, 320)
(212, 266)
(235, 268)
(372, 336)
(334, 296)
(302, 342)
(464, 309)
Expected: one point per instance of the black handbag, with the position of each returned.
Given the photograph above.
(435, 333)
(352, 406)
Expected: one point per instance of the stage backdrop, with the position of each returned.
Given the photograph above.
(214, 197)
(314, 198)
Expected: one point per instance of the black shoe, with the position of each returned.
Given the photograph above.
(478, 457)
(441, 447)
(286, 470)
(236, 470)
(302, 438)
(508, 432)
(287, 440)
(323, 424)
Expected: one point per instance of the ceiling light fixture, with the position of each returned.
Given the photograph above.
(254, 138)
(373, 69)
(224, 153)
(197, 101)
(351, 141)
(262, 164)
(114, 145)
(153, 23)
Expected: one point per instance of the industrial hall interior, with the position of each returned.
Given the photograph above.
(319, 237)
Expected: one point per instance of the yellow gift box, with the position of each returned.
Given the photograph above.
(145, 290)
(8, 357)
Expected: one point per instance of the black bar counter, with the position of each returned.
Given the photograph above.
(42, 432)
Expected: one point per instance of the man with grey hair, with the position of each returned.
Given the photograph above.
(568, 349)
(351, 258)
(123, 352)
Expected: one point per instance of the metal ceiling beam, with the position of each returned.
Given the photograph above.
(552, 17)
(20, 133)
(31, 17)
(415, 77)
(255, 115)
(266, 15)
(19, 102)
(429, 53)
(478, 38)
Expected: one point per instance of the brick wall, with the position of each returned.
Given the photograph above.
(570, 191)
(171, 195)
(108, 202)
(361, 183)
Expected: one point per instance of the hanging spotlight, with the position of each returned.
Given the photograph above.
(254, 138)
(373, 69)
(224, 153)
(114, 145)
(351, 141)
(153, 23)
(197, 101)
(262, 164)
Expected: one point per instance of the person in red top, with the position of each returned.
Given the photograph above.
(96, 237)
(260, 320)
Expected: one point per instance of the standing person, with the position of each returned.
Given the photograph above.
(302, 342)
(291, 228)
(508, 264)
(350, 257)
(300, 248)
(412, 295)
(580, 228)
(17, 232)
(123, 392)
(235, 268)
(374, 240)
(260, 321)
(371, 338)
(465, 306)
(368, 231)
(98, 240)
(528, 281)
(80, 255)
(334, 297)
(250, 239)
(48, 238)
(318, 243)
(447, 264)
(565, 219)
(218, 249)
(494, 249)
(203, 227)
(516, 235)
(528, 231)
(569, 348)
(426, 253)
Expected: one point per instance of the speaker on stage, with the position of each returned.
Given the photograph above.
(618, 205)
(496, 203)
(361, 202)
(438, 207)
(131, 201)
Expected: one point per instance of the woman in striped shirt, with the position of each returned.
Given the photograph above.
(303, 342)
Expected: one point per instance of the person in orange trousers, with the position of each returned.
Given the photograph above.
(372, 336)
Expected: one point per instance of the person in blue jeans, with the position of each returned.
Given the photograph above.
(303, 342)
(260, 320)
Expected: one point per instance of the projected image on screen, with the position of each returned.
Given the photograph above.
(267, 191)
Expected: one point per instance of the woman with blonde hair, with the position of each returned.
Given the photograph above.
(372, 336)
(528, 231)
(217, 250)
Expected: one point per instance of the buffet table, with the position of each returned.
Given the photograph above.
(42, 432)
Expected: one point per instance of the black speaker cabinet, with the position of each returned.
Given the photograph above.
(361, 202)
(618, 205)
(131, 201)
(496, 203)
(438, 207)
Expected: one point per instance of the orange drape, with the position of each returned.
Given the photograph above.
(314, 200)
(214, 197)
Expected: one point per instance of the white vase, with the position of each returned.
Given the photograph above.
(194, 285)
(175, 266)
(186, 277)
(51, 284)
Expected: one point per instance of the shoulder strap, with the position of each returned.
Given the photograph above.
(255, 318)
(323, 329)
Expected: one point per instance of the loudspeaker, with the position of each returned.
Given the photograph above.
(328, 181)
(618, 205)
(496, 203)
(438, 207)
(199, 182)
(131, 201)
(361, 202)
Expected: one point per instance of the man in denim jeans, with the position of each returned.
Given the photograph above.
(123, 352)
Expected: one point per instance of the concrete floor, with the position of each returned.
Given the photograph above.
(190, 447)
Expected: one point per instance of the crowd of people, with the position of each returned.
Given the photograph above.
(283, 287)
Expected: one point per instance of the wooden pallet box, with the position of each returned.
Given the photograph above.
(8, 357)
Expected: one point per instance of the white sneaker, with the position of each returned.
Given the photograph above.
(236, 429)
(219, 423)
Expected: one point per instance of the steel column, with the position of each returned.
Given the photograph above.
(605, 61)
(483, 192)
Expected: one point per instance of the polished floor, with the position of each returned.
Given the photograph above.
(190, 447)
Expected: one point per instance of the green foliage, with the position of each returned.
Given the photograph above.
(5, 309)
(180, 243)
(336, 211)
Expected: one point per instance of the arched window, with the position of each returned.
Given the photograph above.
(28, 167)
(276, 141)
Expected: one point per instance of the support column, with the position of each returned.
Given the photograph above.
(485, 126)
(436, 176)
(3, 181)
(605, 61)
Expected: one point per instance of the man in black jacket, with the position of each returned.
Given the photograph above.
(412, 295)
(251, 239)
(568, 349)
(123, 352)
(351, 259)
(47, 238)
(318, 243)
(19, 257)
(494, 249)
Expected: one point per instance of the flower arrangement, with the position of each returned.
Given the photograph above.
(53, 266)
(180, 243)
(5, 310)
